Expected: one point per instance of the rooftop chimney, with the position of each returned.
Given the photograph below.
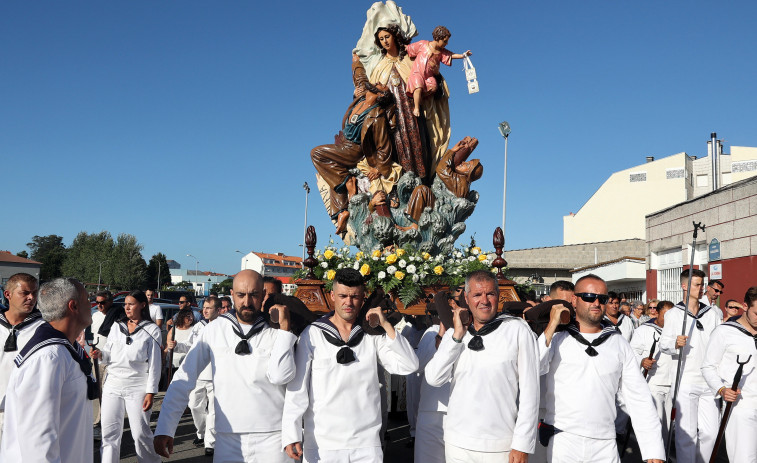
(650, 158)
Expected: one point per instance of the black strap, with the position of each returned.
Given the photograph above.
(703, 309)
(47, 335)
(617, 325)
(734, 324)
(11, 344)
(604, 336)
(345, 355)
(124, 328)
(477, 342)
(243, 347)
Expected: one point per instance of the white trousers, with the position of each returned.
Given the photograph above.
(741, 435)
(663, 402)
(697, 421)
(460, 455)
(115, 403)
(565, 447)
(413, 386)
(202, 406)
(429, 437)
(361, 455)
(253, 447)
(2, 418)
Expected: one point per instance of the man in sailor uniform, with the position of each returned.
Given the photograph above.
(17, 325)
(486, 422)
(201, 399)
(696, 422)
(336, 389)
(585, 366)
(661, 368)
(734, 342)
(251, 362)
(50, 392)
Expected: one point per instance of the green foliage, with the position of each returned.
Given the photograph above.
(223, 287)
(158, 265)
(130, 269)
(50, 251)
(85, 255)
(23, 254)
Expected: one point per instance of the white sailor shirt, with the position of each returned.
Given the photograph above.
(134, 363)
(29, 326)
(249, 388)
(494, 392)
(663, 370)
(693, 353)
(433, 399)
(48, 417)
(581, 389)
(625, 326)
(340, 403)
(730, 342)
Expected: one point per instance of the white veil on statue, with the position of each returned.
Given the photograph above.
(381, 15)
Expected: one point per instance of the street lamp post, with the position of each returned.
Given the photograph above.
(504, 129)
(197, 263)
(100, 273)
(307, 192)
(244, 266)
(158, 288)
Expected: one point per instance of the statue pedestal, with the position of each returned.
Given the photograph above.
(312, 293)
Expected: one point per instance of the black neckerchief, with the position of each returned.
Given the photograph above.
(616, 325)
(124, 327)
(703, 308)
(243, 348)
(734, 324)
(46, 335)
(331, 334)
(608, 329)
(10, 344)
(651, 323)
(477, 342)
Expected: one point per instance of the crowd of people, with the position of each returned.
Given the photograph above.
(562, 379)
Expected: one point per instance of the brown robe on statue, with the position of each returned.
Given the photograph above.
(334, 161)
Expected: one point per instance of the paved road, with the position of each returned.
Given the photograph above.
(396, 451)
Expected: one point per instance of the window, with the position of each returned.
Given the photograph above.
(674, 173)
(702, 180)
(638, 177)
(744, 166)
(669, 285)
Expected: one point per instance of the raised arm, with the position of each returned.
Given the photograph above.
(297, 397)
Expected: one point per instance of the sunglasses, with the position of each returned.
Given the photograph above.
(653, 307)
(733, 307)
(101, 302)
(183, 302)
(591, 297)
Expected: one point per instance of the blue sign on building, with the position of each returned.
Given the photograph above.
(714, 249)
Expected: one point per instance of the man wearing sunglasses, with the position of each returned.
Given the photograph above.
(696, 405)
(586, 365)
(714, 290)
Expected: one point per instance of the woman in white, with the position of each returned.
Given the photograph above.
(132, 354)
(180, 333)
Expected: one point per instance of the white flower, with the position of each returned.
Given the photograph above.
(325, 264)
(381, 275)
(340, 265)
(402, 263)
(391, 269)
(415, 278)
(466, 249)
(375, 258)
(411, 258)
(471, 258)
(356, 265)
(475, 251)
(458, 254)
(411, 268)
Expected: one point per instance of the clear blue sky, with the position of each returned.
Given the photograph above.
(189, 124)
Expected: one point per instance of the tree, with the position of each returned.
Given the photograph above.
(129, 268)
(23, 254)
(50, 251)
(158, 265)
(223, 287)
(85, 256)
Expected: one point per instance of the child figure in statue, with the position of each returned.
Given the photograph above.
(427, 56)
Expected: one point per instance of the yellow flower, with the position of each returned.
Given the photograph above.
(391, 258)
(376, 253)
(482, 257)
(328, 255)
(365, 269)
(438, 269)
(426, 256)
(399, 275)
(359, 255)
(400, 252)
(476, 250)
(330, 274)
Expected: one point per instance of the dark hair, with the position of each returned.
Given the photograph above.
(561, 285)
(276, 283)
(591, 276)
(662, 305)
(140, 297)
(612, 295)
(385, 98)
(183, 313)
(729, 301)
(106, 294)
(349, 277)
(213, 301)
(694, 273)
(716, 282)
(440, 32)
(751, 296)
(18, 278)
(226, 298)
(399, 39)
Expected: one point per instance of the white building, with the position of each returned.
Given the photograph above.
(273, 265)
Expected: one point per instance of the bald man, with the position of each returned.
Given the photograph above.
(251, 364)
